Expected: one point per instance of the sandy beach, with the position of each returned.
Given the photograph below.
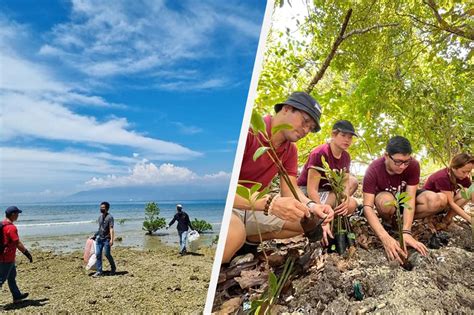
(154, 280)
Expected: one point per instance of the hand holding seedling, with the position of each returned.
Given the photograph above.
(326, 232)
(420, 247)
(288, 208)
(393, 249)
(323, 211)
(343, 207)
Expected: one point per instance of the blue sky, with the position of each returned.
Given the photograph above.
(100, 94)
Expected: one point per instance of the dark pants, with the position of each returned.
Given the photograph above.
(8, 273)
(103, 244)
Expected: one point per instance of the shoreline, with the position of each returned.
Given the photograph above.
(148, 280)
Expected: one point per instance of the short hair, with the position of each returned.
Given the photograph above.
(106, 204)
(398, 144)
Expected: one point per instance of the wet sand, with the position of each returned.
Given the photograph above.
(156, 280)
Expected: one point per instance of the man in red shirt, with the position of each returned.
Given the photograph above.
(336, 155)
(11, 242)
(302, 112)
(396, 171)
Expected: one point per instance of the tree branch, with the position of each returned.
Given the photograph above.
(332, 53)
(368, 29)
(468, 34)
(339, 39)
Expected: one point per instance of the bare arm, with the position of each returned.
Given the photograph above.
(369, 201)
(312, 185)
(21, 247)
(455, 207)
(112, 236)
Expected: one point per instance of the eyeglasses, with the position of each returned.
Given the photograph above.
(400, 162)
(308, 122)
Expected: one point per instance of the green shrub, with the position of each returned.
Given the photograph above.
(152, 220)
(201, 225)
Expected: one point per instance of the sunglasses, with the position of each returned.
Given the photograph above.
(400, 162)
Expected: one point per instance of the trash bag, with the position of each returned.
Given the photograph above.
(193, 236)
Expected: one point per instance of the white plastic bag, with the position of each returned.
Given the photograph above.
(193, 235)
(92, 259)
(91, 263)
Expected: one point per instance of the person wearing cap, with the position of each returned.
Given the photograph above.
(276, 216)
(183, 226)
(397, 171)
(11, 242)
(336, 155)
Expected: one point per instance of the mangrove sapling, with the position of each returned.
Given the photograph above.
(312, 225)
(201, 225)
(401, 201)
(152, 221)
(271, 294)
(336, 180)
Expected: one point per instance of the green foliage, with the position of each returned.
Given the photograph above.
(152, 221)
(122, 221)
(272, 293)
(413, 79)
(201, 225)
(466, 193)
(336, 179)
(401, 201)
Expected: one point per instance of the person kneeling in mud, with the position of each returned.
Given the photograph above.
(447, 181)
(397, 171)
(336, 155)
(276, 215)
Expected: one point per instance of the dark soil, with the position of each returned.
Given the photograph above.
(440, 282)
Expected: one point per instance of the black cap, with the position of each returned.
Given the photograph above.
(12, 209)
(305, 102)
(344, 126)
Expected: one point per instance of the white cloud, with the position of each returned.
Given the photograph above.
(147, 173)
(127, 37)
(190, 85)
(26, 116)
(187, 130)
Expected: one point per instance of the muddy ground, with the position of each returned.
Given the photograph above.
(147, 281)
(442, 282)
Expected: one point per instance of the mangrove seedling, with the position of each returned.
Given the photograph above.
(401, 201)
(312, 225)
(270, 296)
(152, 221)
(336, 180)
(264, 304)
(201, 225)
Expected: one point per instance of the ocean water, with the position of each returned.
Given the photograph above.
(66, 226)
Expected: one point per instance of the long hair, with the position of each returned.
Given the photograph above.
(458, 161)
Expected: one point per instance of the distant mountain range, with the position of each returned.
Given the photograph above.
(147, 193)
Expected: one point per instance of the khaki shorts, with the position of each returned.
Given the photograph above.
(266, 223)
(323, 194)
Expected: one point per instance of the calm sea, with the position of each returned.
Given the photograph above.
(66, 226)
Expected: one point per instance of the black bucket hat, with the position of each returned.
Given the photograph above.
(305, 102)
(344, 126)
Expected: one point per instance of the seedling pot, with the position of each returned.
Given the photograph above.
(312, 228)
(341, 242)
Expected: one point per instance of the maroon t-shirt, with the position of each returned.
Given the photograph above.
(314, 159)
(10, 240)
(263, 169)
(377, 179)
(439, 181)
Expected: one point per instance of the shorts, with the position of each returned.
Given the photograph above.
(323, 194)
(266, 223)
